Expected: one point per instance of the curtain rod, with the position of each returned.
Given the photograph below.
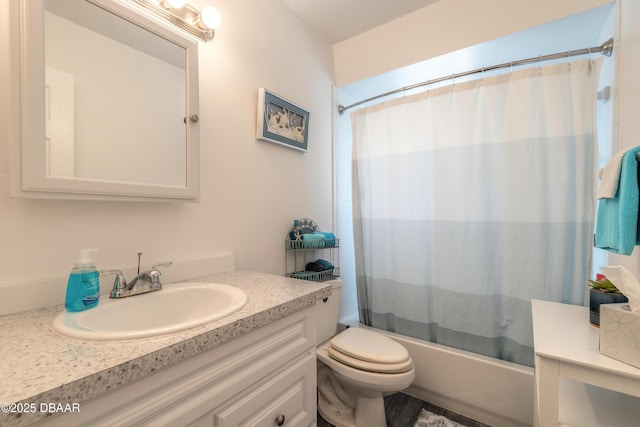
(605, 49)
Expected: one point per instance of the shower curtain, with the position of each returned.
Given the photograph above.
(472, 199)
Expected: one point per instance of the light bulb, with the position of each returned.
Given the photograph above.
(176, 4)
(210, 17)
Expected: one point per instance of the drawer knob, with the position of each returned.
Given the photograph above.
(280, 420)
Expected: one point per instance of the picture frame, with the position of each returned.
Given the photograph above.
(281, 121)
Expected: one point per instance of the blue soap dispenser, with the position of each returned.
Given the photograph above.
(83, 288)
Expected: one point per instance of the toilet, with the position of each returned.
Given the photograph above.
(356, 369)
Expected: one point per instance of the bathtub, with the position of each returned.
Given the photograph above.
(485, 389)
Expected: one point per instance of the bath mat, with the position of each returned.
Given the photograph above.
(429, 419)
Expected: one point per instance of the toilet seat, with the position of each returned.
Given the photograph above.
(384, 368)
(366, 380)
(369, 351)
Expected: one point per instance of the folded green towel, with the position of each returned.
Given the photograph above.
(617, 220)
(313, 240)
(329, 238)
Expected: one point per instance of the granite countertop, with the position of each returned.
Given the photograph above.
(39, 365)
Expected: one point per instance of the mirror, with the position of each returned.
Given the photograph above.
(109, 102)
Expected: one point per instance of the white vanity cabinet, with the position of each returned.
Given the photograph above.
(266, 377)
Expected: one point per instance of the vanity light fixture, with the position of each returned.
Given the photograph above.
(209, 18)
(201, 24)
(176, 4)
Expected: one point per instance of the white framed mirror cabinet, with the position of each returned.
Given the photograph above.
(104, 103)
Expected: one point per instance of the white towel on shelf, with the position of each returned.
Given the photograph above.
(610, 176)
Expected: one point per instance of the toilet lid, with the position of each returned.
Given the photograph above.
(384, 368)
(369, 350)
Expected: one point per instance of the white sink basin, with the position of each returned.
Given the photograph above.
(175, 308)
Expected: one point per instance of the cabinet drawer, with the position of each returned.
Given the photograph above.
(286, 399)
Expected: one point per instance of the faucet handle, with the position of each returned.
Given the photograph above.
(162, 264)
(119, 283)
(153, 275)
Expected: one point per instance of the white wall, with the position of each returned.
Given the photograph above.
(251, 190)
(629, 64)
(627, 94)
(443, 27)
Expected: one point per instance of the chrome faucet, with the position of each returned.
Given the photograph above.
(147, 281)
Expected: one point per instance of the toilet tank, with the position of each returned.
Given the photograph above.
(327, 312)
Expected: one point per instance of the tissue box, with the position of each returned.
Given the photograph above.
(620, 333)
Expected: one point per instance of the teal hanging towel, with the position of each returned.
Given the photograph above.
(617, 219)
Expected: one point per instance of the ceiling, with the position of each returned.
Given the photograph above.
(341, 19)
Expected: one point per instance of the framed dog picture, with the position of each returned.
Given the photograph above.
(281, 121)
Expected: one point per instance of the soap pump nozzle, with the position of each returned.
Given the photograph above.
(84, 258)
